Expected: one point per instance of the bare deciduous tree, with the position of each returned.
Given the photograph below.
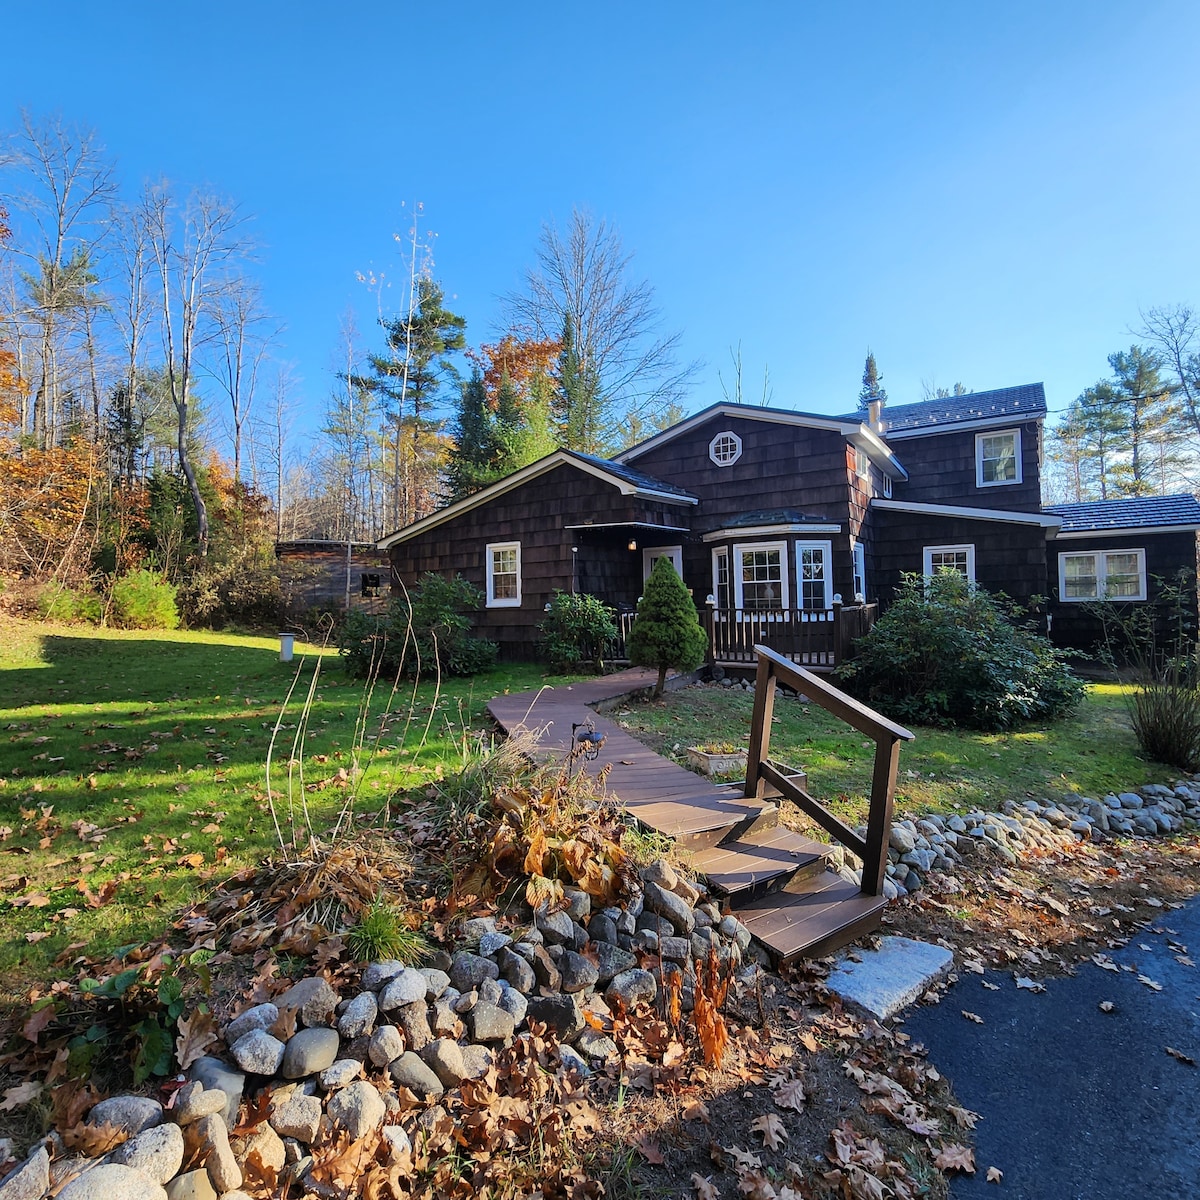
(1174, 334)
(582, 280)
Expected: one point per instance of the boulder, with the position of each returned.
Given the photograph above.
(314, 1000)
(157, 1152)
(261, 1016)
(358, 1109)
(309, 1052)
(130, 1113)
(111, 1181)
(408, 987)
(258, 1053)
(411, 1072)
(358, 1017)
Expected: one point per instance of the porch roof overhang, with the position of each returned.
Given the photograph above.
(732, 532)
(650, 525)
(1122, 531)
(1050, 522)
(641, 485)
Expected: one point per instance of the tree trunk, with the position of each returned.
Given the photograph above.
(661, 684)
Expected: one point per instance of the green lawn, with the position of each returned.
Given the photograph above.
(1091, 752)
(136, 760)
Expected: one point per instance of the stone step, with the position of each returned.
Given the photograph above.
(761, 861)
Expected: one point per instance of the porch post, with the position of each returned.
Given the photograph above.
(838, 626)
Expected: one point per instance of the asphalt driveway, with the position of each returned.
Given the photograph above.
(1077, 1103)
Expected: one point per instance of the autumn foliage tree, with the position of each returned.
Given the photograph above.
(666, 632)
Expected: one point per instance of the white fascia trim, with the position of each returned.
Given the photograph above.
(631, 525)
(557, 459)
(878, 452)
(746, 412)
(1042, 520)
(726, 535)
(1003, 421)
(1131, 531)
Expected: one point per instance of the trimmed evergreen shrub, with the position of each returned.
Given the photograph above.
(428, 630)
(70, 606)
(144, 600)
(666, 632)
(577, 630)
(949, 653)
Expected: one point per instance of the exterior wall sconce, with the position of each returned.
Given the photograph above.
(633, 543)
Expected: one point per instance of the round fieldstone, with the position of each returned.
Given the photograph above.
(309, 1052)
(386, 1045)
(358, 1109)
(611, 960)
(436, 983)
(215, 1074)
(258, 1053)
(397, 1141)
(299, 1117)
(661, 872)
(488, 1022)
(358, 1017)
(192, 1185)
(631, 988)
(491, 942)
(158, 1152)
(476, 927)
(602, 928)
(411, 1072)
(31, 1180)
(515, 1004)
(314, 1000)
(667, 904)
(477, 1061)
(578, 973)
(555, 927)
(344, 1071)
(130, 1113)
(490, 990)
(407, 987)
(263, 1142)
(445, 1057)
(261, 1016)
(376, 974)
(468, 971)
(579, 903)
(194, 1101)
(593, 1044)
(558, 1012)
(223, 1169)
(413, 1020)
(111, 1181)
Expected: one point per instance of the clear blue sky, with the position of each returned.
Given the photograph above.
(984, 193)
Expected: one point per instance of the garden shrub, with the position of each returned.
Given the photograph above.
(577, 630)
(69, 605)
(949, 653)
(242, 591)
(427, 630)
(144, 600)
(666, 632)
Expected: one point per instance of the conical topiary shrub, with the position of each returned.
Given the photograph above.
(666, 632)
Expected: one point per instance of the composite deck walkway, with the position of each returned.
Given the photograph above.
(778, 881)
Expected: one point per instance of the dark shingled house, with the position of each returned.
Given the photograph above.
(791, 527)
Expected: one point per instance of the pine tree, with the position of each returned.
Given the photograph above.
(580, 408)
(471, 463)
(666, 631)
(1151, 422)
(872, 388)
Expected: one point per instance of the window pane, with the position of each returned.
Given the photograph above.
(1079, 577)
(762, 577)
(954, 560)
(999, 458)
(504, 573)
(721, 584)
(812, 577)
(1121, 575)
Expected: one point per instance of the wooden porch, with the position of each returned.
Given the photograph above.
(818, 639)
(780, 883)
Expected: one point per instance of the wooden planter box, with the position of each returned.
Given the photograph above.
(717, 764)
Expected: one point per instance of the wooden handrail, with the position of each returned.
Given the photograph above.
(887, 736)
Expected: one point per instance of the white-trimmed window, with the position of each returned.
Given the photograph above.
(722, 593)
(887, 487)
(998, 458)
(760, 579)
(651, 555)
(725, 449)
(953, 558)
(503, 574)
(1102, 575)
(860, 573)
(814, 576)
(862, 463)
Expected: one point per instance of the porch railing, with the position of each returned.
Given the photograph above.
(887, 736)
(821, 637)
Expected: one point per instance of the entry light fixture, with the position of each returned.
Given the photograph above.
(633, 543)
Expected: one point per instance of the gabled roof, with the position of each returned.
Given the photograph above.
(1027, 400)
(624, 479)
(1132, 512)
(851, 428)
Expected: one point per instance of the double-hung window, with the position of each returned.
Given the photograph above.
(860, 573)
(814, 576)
(954, 558)
(760, 576)
(998, 458)
(1102, 575)
(722, 592)
(503, 574)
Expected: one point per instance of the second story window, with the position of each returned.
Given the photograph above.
(725, 449)
(998, 458)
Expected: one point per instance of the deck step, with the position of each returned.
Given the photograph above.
(761, 862)
(698, 822)
(831, 913)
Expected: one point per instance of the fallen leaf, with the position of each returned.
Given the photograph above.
(991, 987)
(1154, 987)
(695, 1110)
(953, 1157)
(1105, 963)
(790, 1095)
(648, 1149)
(770, 1128)
(963, 1116)
(745, 1160)
(23, 1093)
(704, 1187)
(1179, 1056)
(972, 1017)
(1029, 985)
(196, 1034)
(994, 1174)
(1107, 1006)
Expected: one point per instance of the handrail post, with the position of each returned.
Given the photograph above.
(837, 630)
(879, 816)
(760, 727)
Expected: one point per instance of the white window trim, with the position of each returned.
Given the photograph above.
(740, 548)
(712, 448)
(649, 553)
(1101, 575)
(827, 549)
(862, 463)
(858, 554)
(928, 552)
(490, 563)
(887, 487)
(991, 433)
(716, 590)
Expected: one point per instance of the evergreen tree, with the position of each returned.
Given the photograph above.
(472, 461)
(666, 631)
(581, 407)
(872, 388)
(1152, 426)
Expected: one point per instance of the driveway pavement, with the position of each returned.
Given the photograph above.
(1079, 1104)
